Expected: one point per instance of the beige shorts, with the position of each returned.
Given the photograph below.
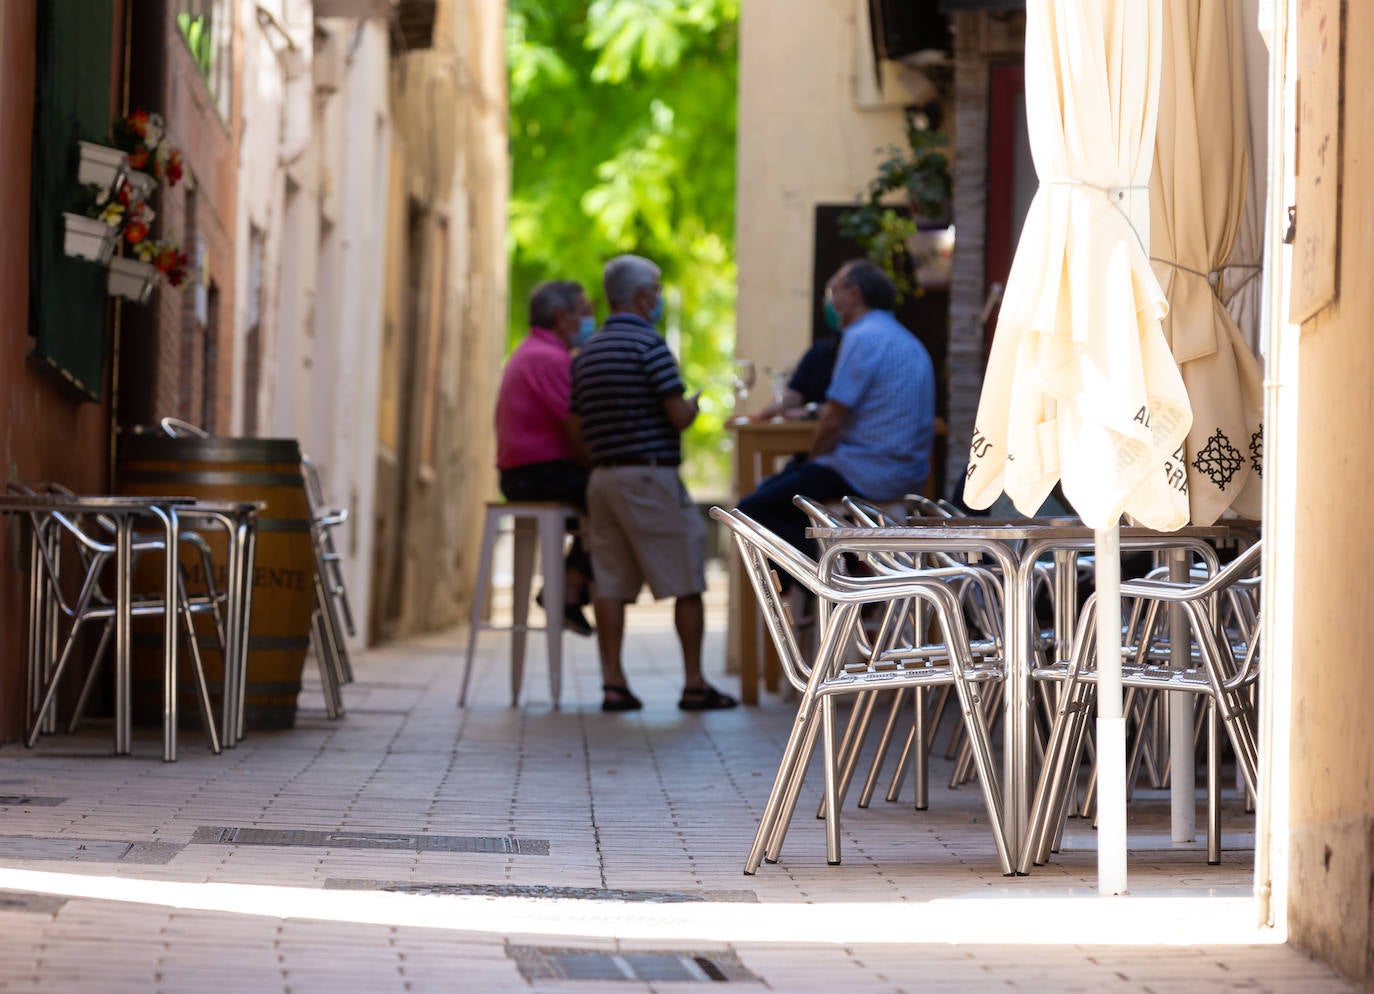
(642, 527)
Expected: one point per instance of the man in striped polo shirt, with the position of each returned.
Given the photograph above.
(876, 428)
(628, 399)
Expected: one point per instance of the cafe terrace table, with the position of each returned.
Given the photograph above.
(1015, 546)
(759, 445)
(123, 511)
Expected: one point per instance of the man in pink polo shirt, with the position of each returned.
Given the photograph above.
(538, 452)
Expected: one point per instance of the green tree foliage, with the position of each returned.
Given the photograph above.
(622, 133)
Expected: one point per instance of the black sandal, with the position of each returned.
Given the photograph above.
(617, 697)
(705, 698)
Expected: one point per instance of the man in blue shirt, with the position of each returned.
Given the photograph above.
(876, 428)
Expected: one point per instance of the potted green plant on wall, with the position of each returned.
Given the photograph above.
(921, 170)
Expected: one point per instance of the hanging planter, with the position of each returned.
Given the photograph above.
(142, 183)
(131, 279)
(88, 238)
(101, 165)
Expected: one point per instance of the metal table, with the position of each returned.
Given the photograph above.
(759, 446)
(1015, 546)
(123, 511)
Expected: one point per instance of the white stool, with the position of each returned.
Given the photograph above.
(546, 522)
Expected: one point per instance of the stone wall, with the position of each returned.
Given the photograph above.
(444, 319)
(804, 139)
(1331, 814)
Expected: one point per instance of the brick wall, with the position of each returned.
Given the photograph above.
(46, 433)
(201, 211)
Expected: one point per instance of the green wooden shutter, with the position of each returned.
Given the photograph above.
(67, 300)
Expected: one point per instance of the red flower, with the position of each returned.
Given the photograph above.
(173, 169)
(135, 232)
(138, 158)
(138, 122)
(172, 264)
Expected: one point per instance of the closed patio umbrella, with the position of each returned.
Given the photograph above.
(1081, 386)
(1198, 198)
(1197, 201)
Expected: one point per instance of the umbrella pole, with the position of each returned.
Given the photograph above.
(1182, 751)
(1111, 724)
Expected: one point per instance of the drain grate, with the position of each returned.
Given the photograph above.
(29, 801)
(542, 891)
(664, 966)
(421, 842)
(86, 850)
(39, 904)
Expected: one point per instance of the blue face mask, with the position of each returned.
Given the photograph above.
(656, 315)
(586, 325)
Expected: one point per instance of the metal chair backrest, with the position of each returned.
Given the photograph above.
(925, 507)
(177, 428)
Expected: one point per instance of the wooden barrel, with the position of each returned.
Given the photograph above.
(260, 469)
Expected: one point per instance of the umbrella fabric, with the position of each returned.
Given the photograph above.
(1197, 201)
(1081, 386)
(1241, 286)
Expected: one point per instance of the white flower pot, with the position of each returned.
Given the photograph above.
(131, 279)
(88, 238)
(100, 165)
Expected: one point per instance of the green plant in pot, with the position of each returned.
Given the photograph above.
(922, 170)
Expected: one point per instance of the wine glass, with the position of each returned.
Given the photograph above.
(744, 379)
(780, 378)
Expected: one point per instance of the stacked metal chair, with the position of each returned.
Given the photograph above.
(894, 661)
(979, 595)
(52, 609)
(1222, 668)
(333, 615)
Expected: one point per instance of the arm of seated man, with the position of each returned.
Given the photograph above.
(829, 424)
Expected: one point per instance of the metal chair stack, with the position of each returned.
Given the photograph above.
(1222, 668)
(895, 660)
(57, 619)
(979, 595)
(333, 615)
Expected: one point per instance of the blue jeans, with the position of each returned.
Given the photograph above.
(771, 504)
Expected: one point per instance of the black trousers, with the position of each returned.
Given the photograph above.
(561, 480)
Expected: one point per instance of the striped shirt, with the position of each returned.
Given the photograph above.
(619, 380)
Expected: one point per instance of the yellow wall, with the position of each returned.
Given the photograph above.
(444, 319)
(1332, 809)
(803, 141)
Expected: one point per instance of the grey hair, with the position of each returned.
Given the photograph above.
(624, 275)
(552, 296)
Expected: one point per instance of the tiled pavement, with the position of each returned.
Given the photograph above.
(126, 875)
